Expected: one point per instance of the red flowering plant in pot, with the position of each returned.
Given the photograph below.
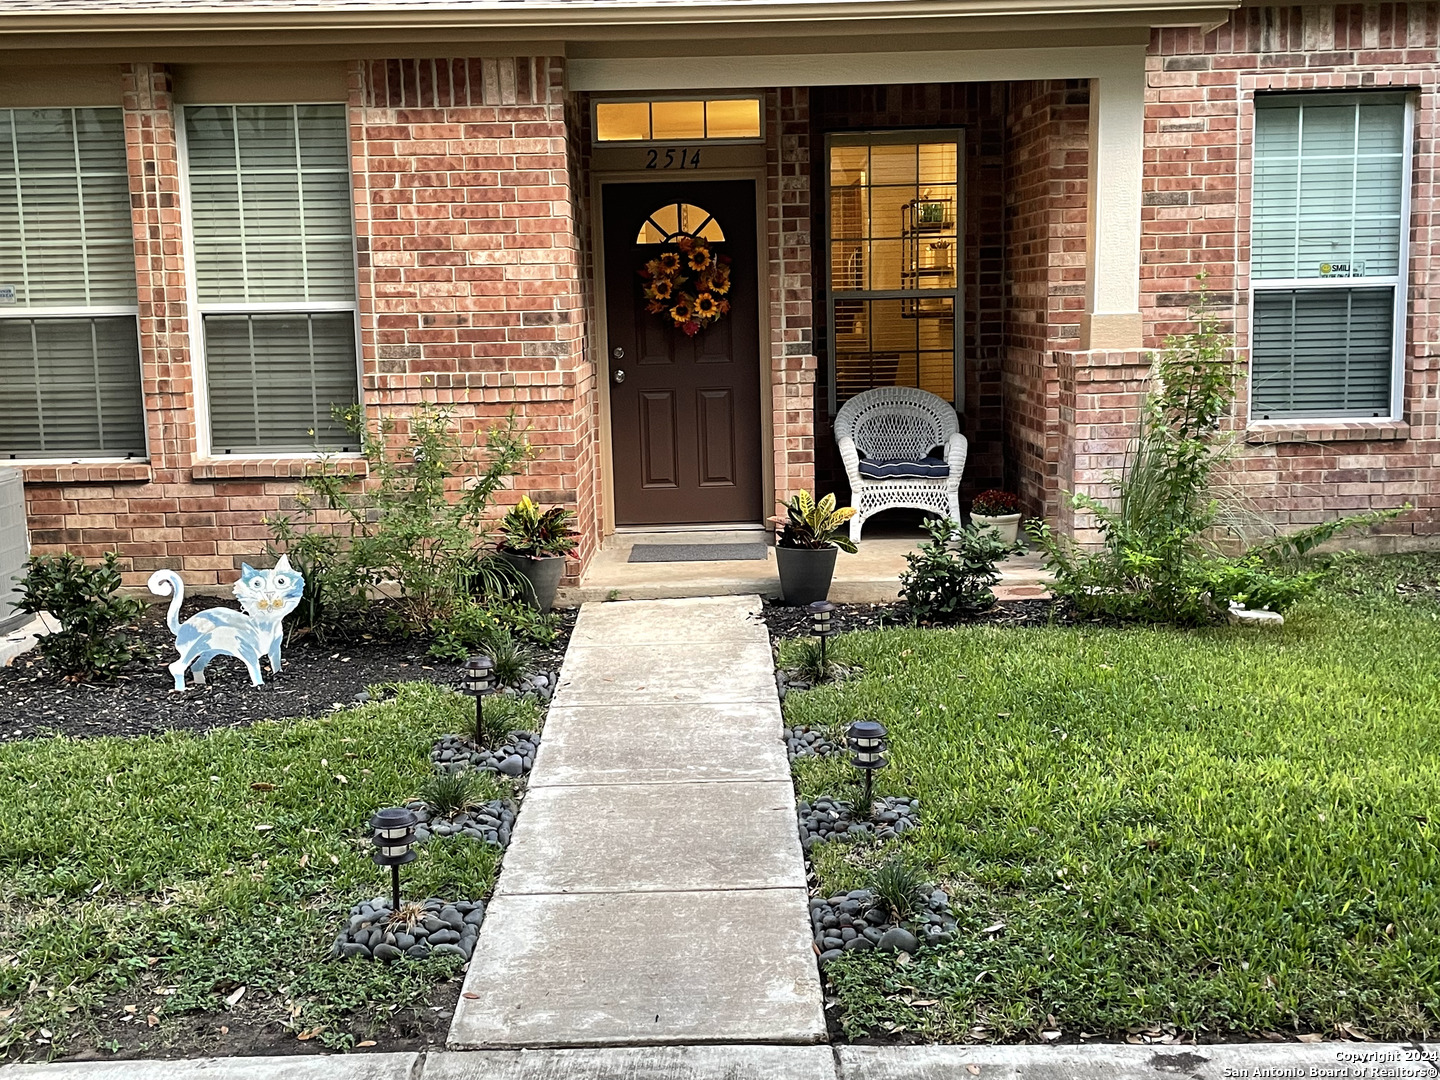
(998, 510)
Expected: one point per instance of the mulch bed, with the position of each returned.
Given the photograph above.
(787, 622)
(316, 677)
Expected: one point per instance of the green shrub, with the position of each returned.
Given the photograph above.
(1161, 559)
(952, 573)
(96, 638)
(476, 626)
(418, 523)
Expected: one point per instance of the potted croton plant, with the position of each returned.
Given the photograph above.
(811, 535)
(537, 546)
(998, 510)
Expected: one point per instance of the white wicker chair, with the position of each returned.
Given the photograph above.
(900, 423)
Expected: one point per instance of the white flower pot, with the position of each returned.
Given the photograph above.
(1007, 525)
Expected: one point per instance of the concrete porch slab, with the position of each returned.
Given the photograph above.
(600, 744)
(621, 674)
(871, 576)
(657, 837)
(667, 622)
(638, 1063)
(637, 969)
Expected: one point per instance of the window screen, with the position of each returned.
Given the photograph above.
(274, 273)
(1327, 254)
(69, 345)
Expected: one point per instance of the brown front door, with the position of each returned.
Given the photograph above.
(685, 411)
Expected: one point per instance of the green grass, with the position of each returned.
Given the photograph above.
(1231, 831)
(166, 872)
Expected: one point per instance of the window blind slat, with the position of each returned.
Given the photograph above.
(1322, 352)
(72, 388)
(274, 380)
(73, 383)
(1327, 189)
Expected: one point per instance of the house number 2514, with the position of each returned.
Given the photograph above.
(672, 158)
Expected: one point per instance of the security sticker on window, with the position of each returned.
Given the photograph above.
(7, 295)
(1342, 269)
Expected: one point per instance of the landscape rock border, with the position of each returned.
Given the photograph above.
(514, 757)
(829, 819)
(807, 742)
(489, 823)
(443, 928)
(860, 920)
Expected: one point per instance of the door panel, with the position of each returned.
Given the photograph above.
(685, 420)
(717, 438)
(659, 467)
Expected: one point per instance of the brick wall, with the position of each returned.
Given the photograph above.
(1199, 122)
(1046, 161)
(469, 272)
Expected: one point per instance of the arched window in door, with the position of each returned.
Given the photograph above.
(678, 219)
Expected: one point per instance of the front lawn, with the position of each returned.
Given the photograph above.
(1230, 831)
(143, 882)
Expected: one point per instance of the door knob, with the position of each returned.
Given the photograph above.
(619, 375)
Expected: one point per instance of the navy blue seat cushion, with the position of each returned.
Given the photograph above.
(931, 465)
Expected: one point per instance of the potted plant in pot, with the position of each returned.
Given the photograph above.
(537, 545)
(806, 547)
(998, 510)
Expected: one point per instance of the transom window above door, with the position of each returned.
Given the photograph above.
(679, 219)
(726, 119)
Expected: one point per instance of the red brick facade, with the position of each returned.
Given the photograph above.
(1199, 123)
(473, 229)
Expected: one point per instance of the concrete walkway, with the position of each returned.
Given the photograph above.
(654, 890)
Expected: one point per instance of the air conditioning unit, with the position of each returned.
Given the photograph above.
(14, 545)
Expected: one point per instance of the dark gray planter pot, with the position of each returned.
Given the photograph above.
(542, 574)
(805, 573)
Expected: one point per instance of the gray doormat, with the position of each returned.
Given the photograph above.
(754, 552)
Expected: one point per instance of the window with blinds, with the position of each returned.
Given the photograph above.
(894, 240)
(69, 331)
(274, 256)
(1327, 239)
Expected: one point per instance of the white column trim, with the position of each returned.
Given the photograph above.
(1117, 166)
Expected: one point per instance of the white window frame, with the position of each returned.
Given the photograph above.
(900, 136)
(198, 310)
(75, 311)
(1399, 282)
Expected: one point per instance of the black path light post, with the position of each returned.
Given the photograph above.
(479, 680)
(867, 739)
(820, 613)
(394, 833)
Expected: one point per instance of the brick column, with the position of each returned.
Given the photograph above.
(166, 377)
(792, 342)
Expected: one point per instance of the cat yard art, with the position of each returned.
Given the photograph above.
(266, 597)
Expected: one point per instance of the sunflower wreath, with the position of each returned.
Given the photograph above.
(687, 286)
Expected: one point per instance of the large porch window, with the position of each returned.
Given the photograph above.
(894, 251)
